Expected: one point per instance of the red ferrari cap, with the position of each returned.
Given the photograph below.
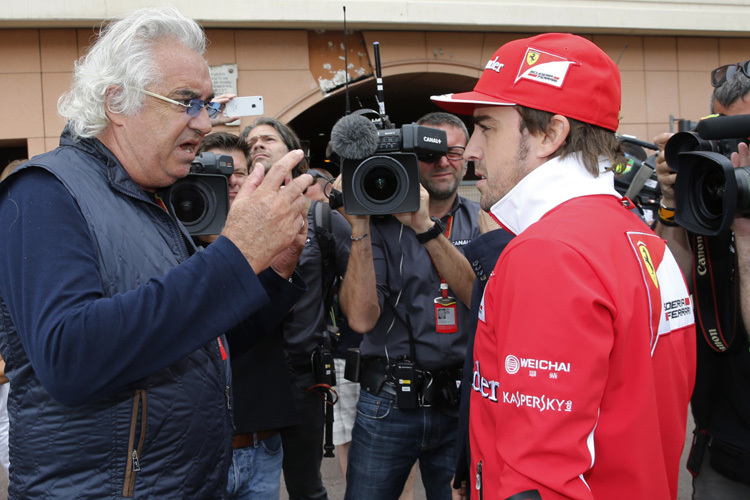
(556, 72)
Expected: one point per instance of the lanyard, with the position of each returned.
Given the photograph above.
(448, 231)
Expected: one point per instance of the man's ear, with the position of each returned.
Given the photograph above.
(553, 138)
(112, 92)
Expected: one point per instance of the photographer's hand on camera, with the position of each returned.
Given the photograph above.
(418, 221)
(666, 176)
(267, 217)
(676, 236)
(741, 229)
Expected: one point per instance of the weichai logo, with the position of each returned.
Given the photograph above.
(513, 364)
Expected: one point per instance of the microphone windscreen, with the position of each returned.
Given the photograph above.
(724, 127)
(354, 137)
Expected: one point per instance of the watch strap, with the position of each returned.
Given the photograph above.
(432, 233)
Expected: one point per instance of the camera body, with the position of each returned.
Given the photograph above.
(709, 192)
(201, 199)
(387, 182)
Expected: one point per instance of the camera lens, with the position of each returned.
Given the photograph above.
(380, 184)
(709, 192)
(189, 204)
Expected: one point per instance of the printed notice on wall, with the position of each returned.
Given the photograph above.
(224, 79)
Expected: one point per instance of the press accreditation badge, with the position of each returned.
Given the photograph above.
(446, 320)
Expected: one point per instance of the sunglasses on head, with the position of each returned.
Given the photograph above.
(192, 106)
(723, 73)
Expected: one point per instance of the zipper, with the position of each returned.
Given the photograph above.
(134, 451)
(478, 484)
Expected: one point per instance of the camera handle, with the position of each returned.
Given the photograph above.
(639, 179)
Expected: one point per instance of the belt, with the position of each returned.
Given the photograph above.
(250, 438)
(376, 375)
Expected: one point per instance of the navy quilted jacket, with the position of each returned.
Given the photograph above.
(112, 334)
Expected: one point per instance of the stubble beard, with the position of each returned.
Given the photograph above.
(516, 173)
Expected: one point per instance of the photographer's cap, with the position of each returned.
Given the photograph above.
(556, 72)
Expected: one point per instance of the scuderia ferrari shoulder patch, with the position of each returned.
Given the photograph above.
(543, 67)
(668, 295)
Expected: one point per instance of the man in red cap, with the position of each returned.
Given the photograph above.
(584, 358)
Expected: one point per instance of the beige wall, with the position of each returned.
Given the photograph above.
(661, 75)
(671, 17)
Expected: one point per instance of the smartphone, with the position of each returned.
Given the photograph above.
(245, 106)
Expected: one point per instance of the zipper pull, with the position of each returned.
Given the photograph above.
(227, 392)
(136, 465)
(478, 485)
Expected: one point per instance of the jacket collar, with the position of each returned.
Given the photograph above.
(550, 185)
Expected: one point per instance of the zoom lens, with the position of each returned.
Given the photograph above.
(380, 184)
(709, 193)
(190, 204)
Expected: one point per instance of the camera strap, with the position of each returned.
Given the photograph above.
(715, 263)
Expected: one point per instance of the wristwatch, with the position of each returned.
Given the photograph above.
(431, 233)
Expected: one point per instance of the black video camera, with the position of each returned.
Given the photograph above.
(201, 199)
(387, 182)
(709, 192)
(379, 169)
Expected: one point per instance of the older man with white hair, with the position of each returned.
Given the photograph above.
(112, 325)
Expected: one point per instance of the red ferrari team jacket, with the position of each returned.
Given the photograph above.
(584, 360)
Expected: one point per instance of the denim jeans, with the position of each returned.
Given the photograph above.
(386, 442)
(255, 473)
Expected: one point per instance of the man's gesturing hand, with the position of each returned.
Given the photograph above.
(267, 215)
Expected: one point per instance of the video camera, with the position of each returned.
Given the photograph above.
(201, 199)
(380, 169)
(709, 192)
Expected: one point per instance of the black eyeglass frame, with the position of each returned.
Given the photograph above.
(452, 155)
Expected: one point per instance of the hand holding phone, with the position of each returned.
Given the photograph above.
(244, 106)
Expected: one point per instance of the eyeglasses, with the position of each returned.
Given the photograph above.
(454, 153)
(723, 73)
(192, 106)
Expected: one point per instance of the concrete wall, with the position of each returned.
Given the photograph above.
(661, 75)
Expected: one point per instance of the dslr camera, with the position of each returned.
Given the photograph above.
(201, 199)
(387, 181)
(708, 190)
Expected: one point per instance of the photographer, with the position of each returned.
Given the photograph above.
(304, 328)
(392, 294)
(720, 455)
(261, 385)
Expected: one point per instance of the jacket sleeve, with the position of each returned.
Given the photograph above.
(81, 344)
(553, 334)
(283, 295)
